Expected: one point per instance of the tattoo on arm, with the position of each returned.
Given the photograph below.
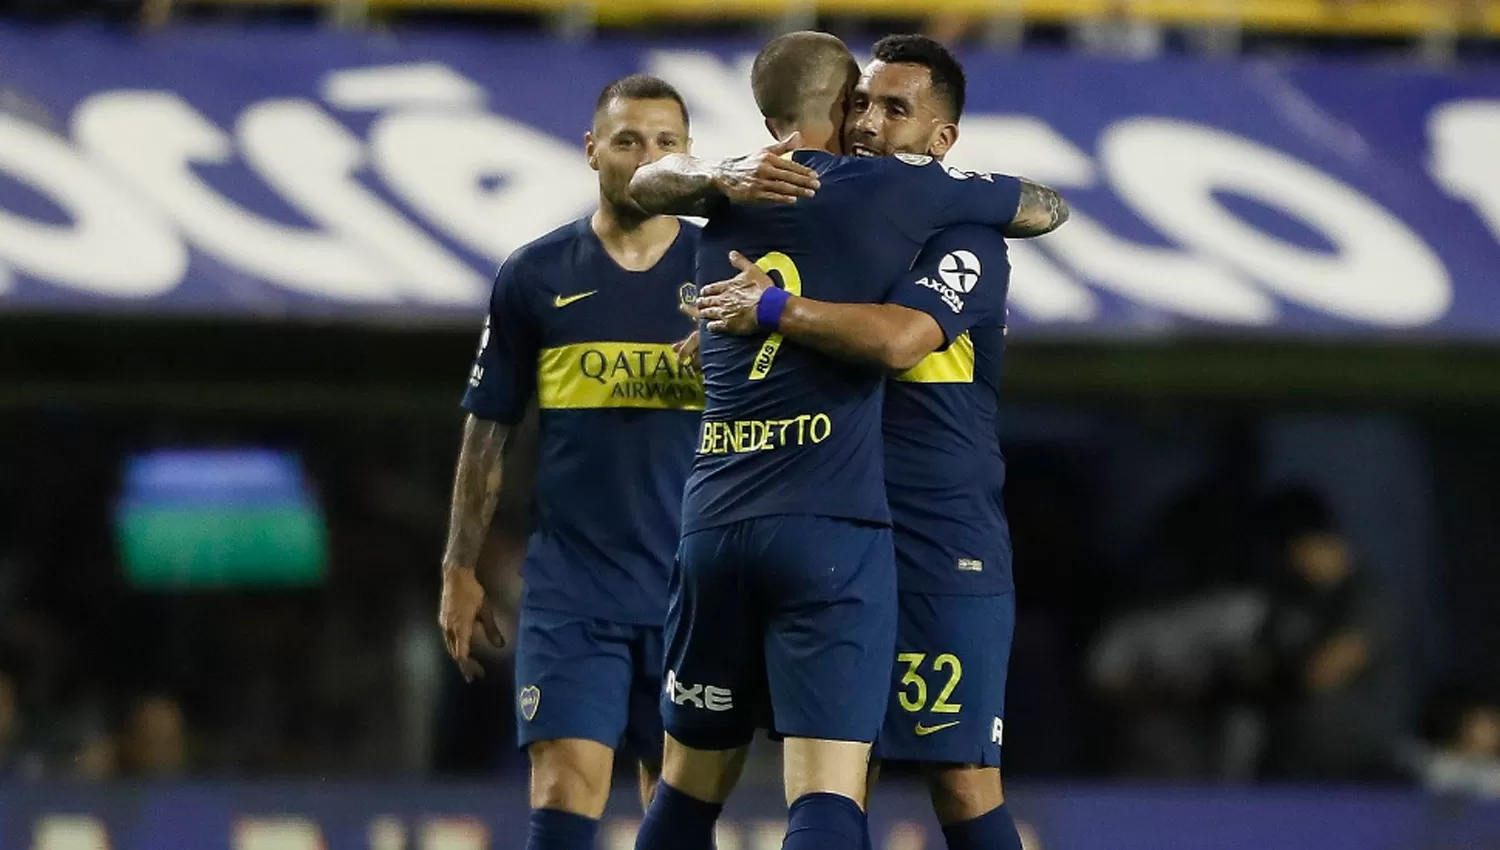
(476, 489)
(676, 184)
(1041, 210)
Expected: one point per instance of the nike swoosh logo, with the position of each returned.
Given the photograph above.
(563, 301)
(924, 731)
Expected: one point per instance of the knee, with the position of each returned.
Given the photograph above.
(571, 775)
(964, 792)
(708, 775)
(819, 766)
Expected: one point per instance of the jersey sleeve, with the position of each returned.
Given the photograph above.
(503, 378)
(960, 279)
(925, 195)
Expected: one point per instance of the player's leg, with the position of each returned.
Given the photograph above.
(570, 780)
(644, 735)
(573, 683)
(712, 692)
(648, 773)
(970, 806)
(833, 586)
(947, 710)
(872, 778)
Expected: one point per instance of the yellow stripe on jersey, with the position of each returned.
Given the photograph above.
(601, 375)
(952, 366)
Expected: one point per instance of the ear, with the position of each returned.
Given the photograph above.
(943, 141)
(591, 150)
(688, 147)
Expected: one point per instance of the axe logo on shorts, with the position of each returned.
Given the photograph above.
(529, 698)
(707, 697)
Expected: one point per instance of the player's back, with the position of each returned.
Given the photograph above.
(786, 430)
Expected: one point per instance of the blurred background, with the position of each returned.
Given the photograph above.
(1252, 410)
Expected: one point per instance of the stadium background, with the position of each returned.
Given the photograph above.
(237, 648)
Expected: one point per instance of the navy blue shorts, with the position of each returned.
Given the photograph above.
(787, 615)
(948, 686)
(578, 677)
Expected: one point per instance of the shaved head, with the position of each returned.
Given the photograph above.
(802, 80)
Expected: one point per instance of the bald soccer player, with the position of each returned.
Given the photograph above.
(786, 595)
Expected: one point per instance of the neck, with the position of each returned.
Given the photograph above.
(615, 220)
(817, 137)
(634, 239)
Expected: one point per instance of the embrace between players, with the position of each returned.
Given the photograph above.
(806, 537)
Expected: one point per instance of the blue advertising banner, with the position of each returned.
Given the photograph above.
(330, 816)
(270, 173)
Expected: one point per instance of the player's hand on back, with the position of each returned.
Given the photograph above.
(688, 349)
(729, 305)
(767, 176)
(464, 606)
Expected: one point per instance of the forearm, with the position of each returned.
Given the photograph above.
(1041, 211)
(883, 335)
(676, 184)
(476, 490)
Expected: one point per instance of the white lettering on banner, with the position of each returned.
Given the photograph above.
(418, 84)
(1160, 277)
(1042, 290)
(438, 162)
(767, 835)
(69, 832)
(310, 159)
(1039, 288)
(1465, 136)
(113, 245)
(455, 834)
(726, 121)
(387, 833)
(1382, 272)
(726, 837)
(277, 834)
(1163, 278)
(1021, 144)
(441, 153)
(907, 835)
(154, 139)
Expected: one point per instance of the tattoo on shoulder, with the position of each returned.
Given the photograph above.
(1042, 210)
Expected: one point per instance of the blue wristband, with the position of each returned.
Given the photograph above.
(770, 307)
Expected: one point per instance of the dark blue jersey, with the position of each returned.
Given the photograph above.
(787, 430)
(943, 467)
(619, 416)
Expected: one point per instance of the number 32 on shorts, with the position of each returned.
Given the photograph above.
(913, 692)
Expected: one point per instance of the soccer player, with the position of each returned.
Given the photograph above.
(582, 320)
(941, 332)
(786, 589)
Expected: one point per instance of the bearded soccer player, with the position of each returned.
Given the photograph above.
(941, 332)
(582, 321)
(786, 588)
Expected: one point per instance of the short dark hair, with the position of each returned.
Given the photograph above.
(797, 71)
(948, 78)
(640, 87)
